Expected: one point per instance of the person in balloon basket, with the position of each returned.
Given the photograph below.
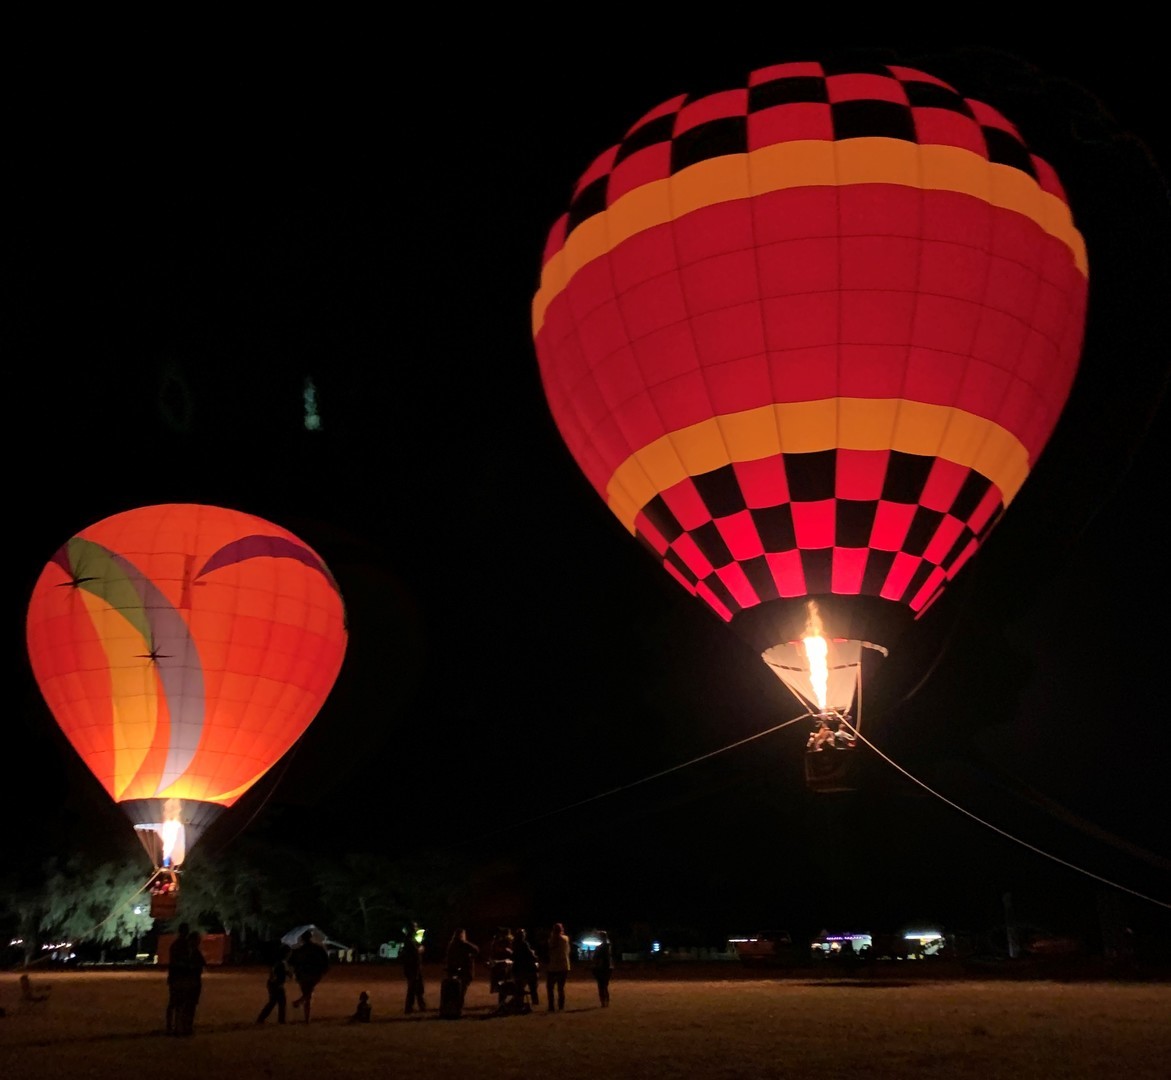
(525, 966)
(821, 737)
(412, 958)
(310, 963)
(557, 968)
(844, 737)
(275, 983)
(461, 959)
(603, 967)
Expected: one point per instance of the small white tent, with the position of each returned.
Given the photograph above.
(336, 949)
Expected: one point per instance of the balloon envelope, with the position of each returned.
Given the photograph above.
(808, 336)
(183, 649)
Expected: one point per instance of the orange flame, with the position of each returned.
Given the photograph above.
(817, 651)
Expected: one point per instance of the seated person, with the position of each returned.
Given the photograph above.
(362, 1012)
(27, 993)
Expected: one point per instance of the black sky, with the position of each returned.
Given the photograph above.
(194, 241)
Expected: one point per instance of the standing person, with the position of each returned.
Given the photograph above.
(189, 985)
(176, 959)
(500, 960)
(310, 963)
(412, 955)
(461, 959)
(277, 977)
(525, 967)
(603, 967)
(557, 970)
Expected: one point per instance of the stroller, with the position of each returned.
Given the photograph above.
(511, 996)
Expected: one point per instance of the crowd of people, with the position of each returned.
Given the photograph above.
(515, 967)
(514, 962)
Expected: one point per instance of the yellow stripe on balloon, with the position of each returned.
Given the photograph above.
(911, 427)
(134, 702)
(806, 163)
(185, 788)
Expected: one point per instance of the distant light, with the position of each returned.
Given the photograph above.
(654, 946)
(922, 935)
(591, 942)
(309, 396)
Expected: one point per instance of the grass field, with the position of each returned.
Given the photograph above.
(714, 1022)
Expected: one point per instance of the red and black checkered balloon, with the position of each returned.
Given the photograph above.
(808, 336)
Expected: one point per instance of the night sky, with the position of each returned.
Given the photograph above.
(193, 244)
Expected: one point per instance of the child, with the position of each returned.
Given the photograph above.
(277, 978)
(362, 1013)
(27, 993)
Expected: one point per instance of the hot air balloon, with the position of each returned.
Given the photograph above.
(183, 649)
(807, 338)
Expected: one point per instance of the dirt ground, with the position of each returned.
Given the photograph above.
(718, 1024)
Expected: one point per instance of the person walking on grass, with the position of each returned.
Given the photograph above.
(277, 977)
(603, 967)
(310, 963)
(557, 970)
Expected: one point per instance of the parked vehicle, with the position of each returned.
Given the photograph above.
(764, 950)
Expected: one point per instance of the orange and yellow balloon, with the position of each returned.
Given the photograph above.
(183, 649)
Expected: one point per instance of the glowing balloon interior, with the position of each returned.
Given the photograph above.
(807, 338)
(183, 649)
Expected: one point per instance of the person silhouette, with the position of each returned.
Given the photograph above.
(525, 966)
(363, 1011)
(176, 960)
(310, 963)
(275, 983)
(189, 985)
(603, 967)
(412, 957)
(461, 959)
(557, 970)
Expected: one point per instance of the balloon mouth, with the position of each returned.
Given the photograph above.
(170, 828)
(824, 674)
(821, 657)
